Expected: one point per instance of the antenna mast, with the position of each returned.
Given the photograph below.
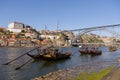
(45, 30)
(57, 27)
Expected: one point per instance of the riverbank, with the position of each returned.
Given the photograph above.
(18, 46)
(113, 75)
(74, 72)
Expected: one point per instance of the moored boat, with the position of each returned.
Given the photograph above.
(49, 56)
(98, 52)
(112, 48)
(93, 51)
(84, 51)
(50, 53)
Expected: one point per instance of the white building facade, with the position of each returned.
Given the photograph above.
(15, 27)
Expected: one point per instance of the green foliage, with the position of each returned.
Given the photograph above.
(28, 37)
(23, 31)
(94, 75)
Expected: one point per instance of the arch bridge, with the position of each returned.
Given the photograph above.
(105, 28)
(112, 30)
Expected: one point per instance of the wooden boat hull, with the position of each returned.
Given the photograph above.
(36, 56)
(91, 52)
(84, 52)
(112, 49)
(95, 52)
(58, 56)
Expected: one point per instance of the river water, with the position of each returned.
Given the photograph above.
(37, 68)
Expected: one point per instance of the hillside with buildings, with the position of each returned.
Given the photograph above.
(19, 34)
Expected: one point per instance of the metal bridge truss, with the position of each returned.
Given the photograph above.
(99, 28)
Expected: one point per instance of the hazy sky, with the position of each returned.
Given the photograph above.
(71, 14)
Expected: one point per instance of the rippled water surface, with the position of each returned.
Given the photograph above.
(37, 68)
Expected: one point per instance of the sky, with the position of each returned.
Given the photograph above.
(67, 14)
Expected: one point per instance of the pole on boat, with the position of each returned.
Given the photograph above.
(23, 64)
(19, 56)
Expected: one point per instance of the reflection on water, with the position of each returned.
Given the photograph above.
(37, 68)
